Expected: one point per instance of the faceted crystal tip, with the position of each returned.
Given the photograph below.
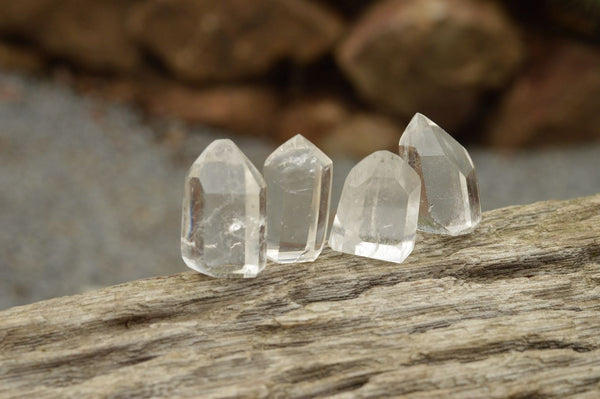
(449, 191)
(223, 215)
(298, 143)
(226, 151)
(298, 175)
(378, 210)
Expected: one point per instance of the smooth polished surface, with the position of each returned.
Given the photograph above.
(223, 217)
(450, 194)
(298, 177)
(378, 210)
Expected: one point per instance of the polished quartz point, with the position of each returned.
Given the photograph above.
(378, 210)
(449, 196)
(223, 218)
(298, 177)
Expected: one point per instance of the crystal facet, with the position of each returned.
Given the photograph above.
(223, 218)
(378, 210)
(449, 196)
(298, 177)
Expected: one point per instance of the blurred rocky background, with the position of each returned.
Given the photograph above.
(105, 103)
(347, 74)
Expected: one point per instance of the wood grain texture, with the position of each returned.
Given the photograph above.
(512, 310)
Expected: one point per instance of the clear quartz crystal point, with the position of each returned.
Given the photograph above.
(298, 177)
(450, 195)
(223, 218)
(378, 210)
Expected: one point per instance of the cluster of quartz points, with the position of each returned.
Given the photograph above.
(233, 219)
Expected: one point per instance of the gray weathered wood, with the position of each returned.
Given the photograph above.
(512, 310)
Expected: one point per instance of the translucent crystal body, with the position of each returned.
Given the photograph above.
(450, 195)
(378, 210)
(298, 177)
(223, 217)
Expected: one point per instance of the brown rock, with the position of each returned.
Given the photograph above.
(243, 109)
(223, 39)
(313, 118)
(557, 100)
(123, 90)
(362, 134)
(90, 33)
(333, 125)
(430, 56)
(20, 58)
(22, 17)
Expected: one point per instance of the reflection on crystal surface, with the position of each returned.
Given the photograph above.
(450, 195)
(378, 210)
(298, 177)
(223, 217)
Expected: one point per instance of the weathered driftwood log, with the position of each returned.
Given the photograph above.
(512, 310)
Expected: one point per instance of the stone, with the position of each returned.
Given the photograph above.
(120, 89)
(554, 102)
(432, 56)
(20, 58)
(23, 17)
(378, 210)
(449, 191)
(313, 116)
(298, 177)
(361, 134)
(337, 127)
(223, 217)
(208, 40)
(93, 34)
(244, 108)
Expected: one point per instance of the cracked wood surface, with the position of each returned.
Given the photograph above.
(512, 310)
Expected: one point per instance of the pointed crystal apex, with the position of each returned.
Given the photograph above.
(378, 210)
(450, 194)
(223, 214)
(298, 141)
(298, 176)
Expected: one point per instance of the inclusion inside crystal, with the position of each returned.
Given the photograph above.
(223, 217)
(450, 195)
